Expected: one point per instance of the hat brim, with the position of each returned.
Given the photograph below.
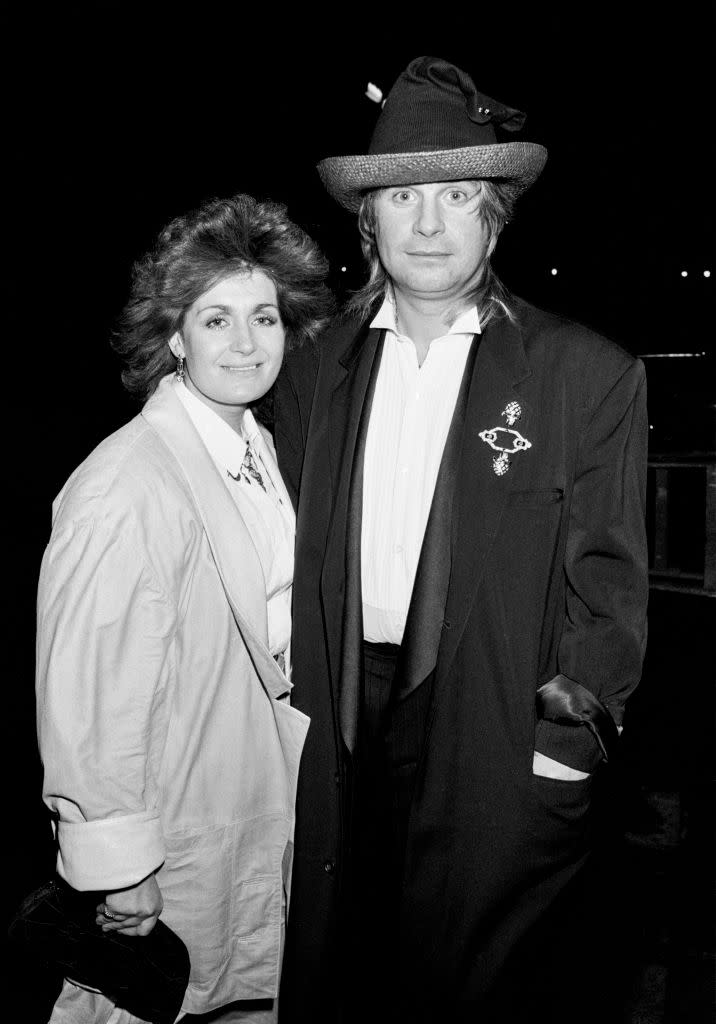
(346, 178)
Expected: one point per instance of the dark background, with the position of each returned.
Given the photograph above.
(120, 116)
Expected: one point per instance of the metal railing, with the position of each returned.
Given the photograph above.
(667, 570)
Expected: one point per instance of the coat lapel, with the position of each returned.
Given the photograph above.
(234, 553)
(481, 494)
(346, 406)
(423, 628)
(348, 415)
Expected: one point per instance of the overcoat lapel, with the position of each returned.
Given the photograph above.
(348, 416)
(500, 367)
(424, 624)
(234, 553)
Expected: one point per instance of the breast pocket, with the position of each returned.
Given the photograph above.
(535, 499)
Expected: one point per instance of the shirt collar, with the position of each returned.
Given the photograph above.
(226, 447)
(385, 319)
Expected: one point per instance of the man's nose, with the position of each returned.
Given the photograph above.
(242, 340)
(429, 220)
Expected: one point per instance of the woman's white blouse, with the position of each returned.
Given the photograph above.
(268, 513)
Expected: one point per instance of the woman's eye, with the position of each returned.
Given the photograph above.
(265, 320)
(216, 321)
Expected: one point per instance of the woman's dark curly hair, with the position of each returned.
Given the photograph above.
(194, 252)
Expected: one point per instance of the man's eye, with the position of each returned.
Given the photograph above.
(457, 196)
(403, 196)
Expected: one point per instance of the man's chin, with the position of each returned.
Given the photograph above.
(430, 286)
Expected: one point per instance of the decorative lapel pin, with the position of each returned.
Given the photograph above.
(512, 412)
(505, 441)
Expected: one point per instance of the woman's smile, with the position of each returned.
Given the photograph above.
(236, 319)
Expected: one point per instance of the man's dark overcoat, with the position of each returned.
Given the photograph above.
(547, 577)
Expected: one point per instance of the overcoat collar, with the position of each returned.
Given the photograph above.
(356, 346)
(344, 415)
(340, 578)
(500, 376)
(424, 624)
(233, 550)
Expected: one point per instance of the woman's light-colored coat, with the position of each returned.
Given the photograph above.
(164, 722)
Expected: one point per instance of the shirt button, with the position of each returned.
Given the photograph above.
(398, 549)
(329, 867)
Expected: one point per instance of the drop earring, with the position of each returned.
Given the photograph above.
(180, 369)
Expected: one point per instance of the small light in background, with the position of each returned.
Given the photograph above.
(707, 273)
(553, 271)
(651, 426)
(684, 273)
(343, 269)
(374, 93)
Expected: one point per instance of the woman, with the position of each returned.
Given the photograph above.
(169, 745)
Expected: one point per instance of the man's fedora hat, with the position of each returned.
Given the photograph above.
(435, 126)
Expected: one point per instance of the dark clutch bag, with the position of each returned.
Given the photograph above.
(146, 975)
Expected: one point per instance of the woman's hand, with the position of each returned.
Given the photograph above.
(132, 911)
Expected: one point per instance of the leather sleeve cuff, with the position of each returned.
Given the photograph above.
(109, 853)
(567, 707)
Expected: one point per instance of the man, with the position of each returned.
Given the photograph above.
(470, 588)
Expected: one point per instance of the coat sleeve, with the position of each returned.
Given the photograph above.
(104, 653)
(606, 565)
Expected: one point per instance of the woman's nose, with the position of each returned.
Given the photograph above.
(242, 340)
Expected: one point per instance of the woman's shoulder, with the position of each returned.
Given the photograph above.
(128, 472)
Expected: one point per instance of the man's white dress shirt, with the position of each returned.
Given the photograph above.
(409, 423)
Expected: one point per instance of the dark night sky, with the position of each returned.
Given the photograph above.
(122, 115)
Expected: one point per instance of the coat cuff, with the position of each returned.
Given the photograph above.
(573, 746)
(109, 853)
